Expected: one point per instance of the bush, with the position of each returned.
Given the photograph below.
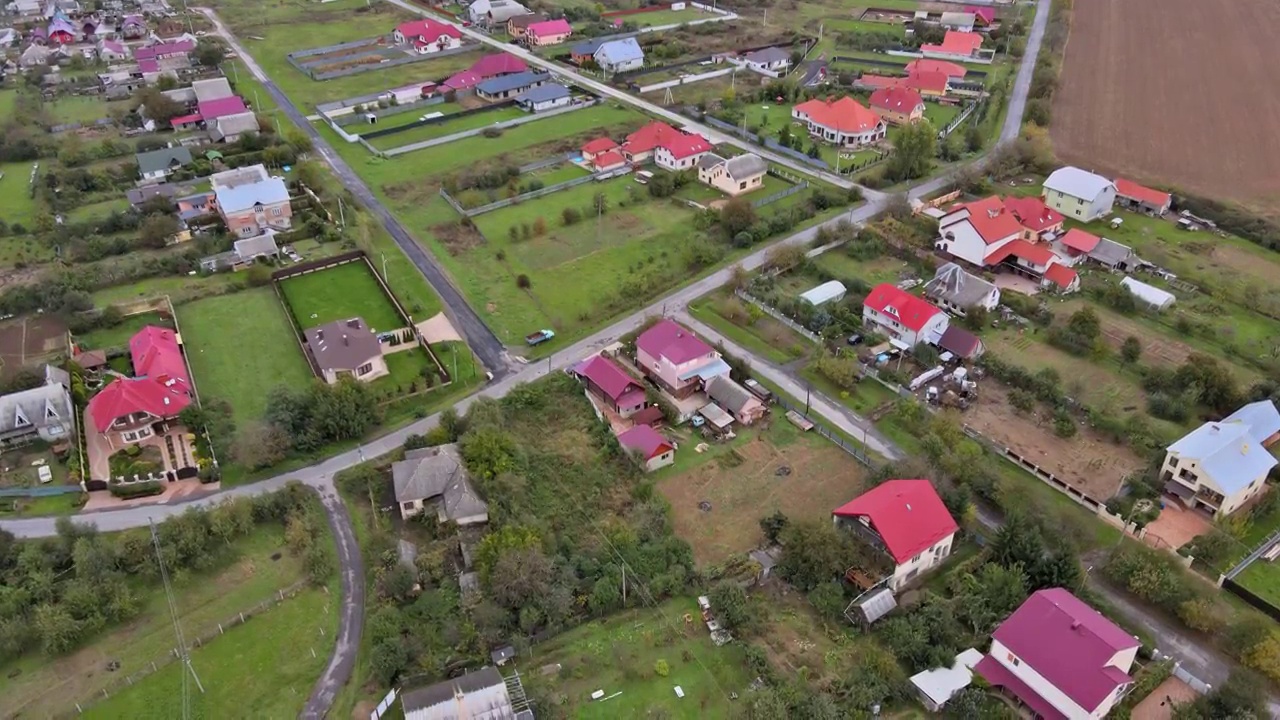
(136, 490)
(1063, 424)
(661, 668)
(523, 282)
(492, 132)
(571, 216)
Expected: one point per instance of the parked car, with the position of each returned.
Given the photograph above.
(854, 339)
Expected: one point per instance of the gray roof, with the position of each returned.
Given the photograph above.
(545, 93)
(515, 81)
(343, 344)
(729, 395)
(39, 407)
(437, 472)
(479, 695)
(953, 284)
(708, 161)
(1077, 183)
(768, 56)
(234, 125)
(137, 196)
(500, 10)
(958, 18)
(163, 159)
(1110, 252)
(589, 47)
(619, 51)
(1262, 418)
(255, 247)
(745, 166)
(242, 188)
(211, 89)
(1228, 451)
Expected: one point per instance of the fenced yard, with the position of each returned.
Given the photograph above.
(340, 293)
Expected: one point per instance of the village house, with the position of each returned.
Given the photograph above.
(156, 165)
(251, 201)
(681, 152)
(604, 154)
(230, 128)
(436, 475)
(1079, 194)
(477, 695)
(346, 348)
(1060, 658)
(772, 61)
(843, 122)
(898, 105)
(494, 13)
(650, 449)
(133, 27)
(546, 97)
(1038, 221)
(676, 359)
(735, 176)
(586, 50)
(130, 410)
(611, 384)
(517, 25)
(243, 253)
(736, 400)
(949, 70)
(961, 343)
(618, 56)
(427, 36)
(547, 32)
(44, 412)
(1140, 198)
(1218, 467)
(906, 519)
(959, 47)
(509, 86)
(642, 144)
(110, 51)
(957, 291)
(902, 316)
(497, 64)
(987, 233)
(958, 21)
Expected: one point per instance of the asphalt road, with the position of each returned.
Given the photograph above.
(478, 335)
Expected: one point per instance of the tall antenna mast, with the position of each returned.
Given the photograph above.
(183, 656)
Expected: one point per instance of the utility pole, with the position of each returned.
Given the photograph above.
(624, 585)
(807, 390)
(183, 656)
(342, 220)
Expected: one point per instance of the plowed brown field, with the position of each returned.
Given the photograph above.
(1178, 92)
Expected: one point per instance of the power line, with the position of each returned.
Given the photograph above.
(183, 655)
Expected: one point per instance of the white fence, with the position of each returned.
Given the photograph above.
(686, 80)
(777, 315)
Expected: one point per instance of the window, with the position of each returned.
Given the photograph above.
(407, 506)
(916, 559)
(1079, 201)
(277, 212)
(364, 369)
(1077, 213)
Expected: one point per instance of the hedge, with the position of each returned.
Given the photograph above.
(137, 490)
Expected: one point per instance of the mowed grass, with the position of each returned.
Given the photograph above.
(264, 668)
(16, 202)
(240, 347)
(340, 293)
(448, 127)
(81, 109)
(118, 336)
(618, 654)
(98, 210)
(39, 686)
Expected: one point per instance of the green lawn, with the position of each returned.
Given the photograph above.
(16, 203)
(340, 293)
(1263, 579)
(265, 668)
(118, 336)
(257, 566)
(77, 108)
(765, 336)
(618, 655)
(447, 127)
(402, 118)
(98, 210)
(177, 288)
(240, 346)
(662, 17)
(406, 367)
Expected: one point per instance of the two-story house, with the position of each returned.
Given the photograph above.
(1079, 194)
(547, 32)
(43, 412)
(1060, 658)
(681, 152)
(676, 359)
(906, 518)
(427, 36)
(611, 384)
(902, 316)
(127, 410)
(1220, 465)
(617, 56)
(251, 201)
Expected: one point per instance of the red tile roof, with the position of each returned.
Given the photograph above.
(897, 99)
(648, 416)
(908, 514)
(185, 119)
(608, 159)
(934, 82)
(1060, 275)
(924, 65)
(155, 353)
(880, 81)
(1079, 240)
(992, 221)
(550, 27)
(649, 137)
(1141, 193)
(612, 380)
(213, 109)
(1038, 254)
(599, 145)
(1069, 644)
(1033, 213)
(845, 115)
(463, 80)
(670, 340)
(428, 30)
(986, 14)
(126, 396)
(956, 43)
(497, 64)
(646, 440)
(685, 146)
(1000, 676)
(913, 312)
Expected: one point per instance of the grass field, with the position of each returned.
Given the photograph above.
(241, 366)
(339, 293)
(266, 667)
(98, 210)
(618, 655)
(37, 686)
(118, 336)
(763, 336)
(77, 108)
(663, 17)
(447, 127)
(16, 203)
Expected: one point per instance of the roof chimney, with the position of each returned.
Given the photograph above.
(993, 212)
(1075, 624)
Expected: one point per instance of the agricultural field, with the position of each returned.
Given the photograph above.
(240, 346)
(340, 293)
(1115, 107)
(774, 467)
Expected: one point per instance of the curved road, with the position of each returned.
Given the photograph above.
(493, 354)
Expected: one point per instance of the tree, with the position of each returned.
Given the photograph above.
(209, 52)
(829, 600)
(1022, 400)
(158, 106)
(539, 227)
(732, 606)
(570, 216)
(812, 553)
(737, 216)
(261, 445)
(520, 575)
(772, 525)
(1241, 697)
(1017, 542)
(913, 152)
(1131, 350)
(156, 230)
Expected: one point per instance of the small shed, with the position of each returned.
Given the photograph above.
(873, 606)
(824, 293)
(935, 687)
(718, 419)
(1148, 294)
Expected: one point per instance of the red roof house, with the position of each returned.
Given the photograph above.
(608, 160)
(957, 44)
(879, 81)
(624, 395)
(898, 105)
(677, 359)
(462, 81)
(127, 404)
(1034, 215)
(1142, 197)
(1060, 657)
(640, 144)
(597, 146)
(903, 316)
(653, 449)
(983, 15)
(155, 354)
(1022, 250)
(923, 65)
(213, 109)
(548, 32)
(491, 66)
(1065, 278)
(909, 518)
(933, 84)
(681, 151)
(426, 31)
(1080, 241)
(845, 116)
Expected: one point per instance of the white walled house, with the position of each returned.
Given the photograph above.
(902, 316)
(909, 519)
(957, 291)
(1219, 466)
(681, 153)
(974, 230)
(676, 359)
(843, 122)
(1060, 658)
(1079, 194)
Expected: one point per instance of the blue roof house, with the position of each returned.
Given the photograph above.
(1221, 465)
(546, 97)
(618, 56)
(509, 86)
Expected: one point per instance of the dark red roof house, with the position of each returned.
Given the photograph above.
(676, 359)
(155, 354)
(127, 404)
(653, 449)
(1060, 657)
(222, 107)
(983, 15)
(464, 80)
(672, 342)
(909, 519)
(1034, 215)
(491, 66)
(610, 382)
(425, 31)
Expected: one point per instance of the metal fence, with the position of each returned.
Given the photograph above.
(1247, 595)
(858, 453)
(40, 491)
(423, 122)
(785, 193)
(777, 315)
(768, 142)
(477, 131)
(957, 120)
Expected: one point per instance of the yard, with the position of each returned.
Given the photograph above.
(16, 203)
(118, 336)
(83, 109)
(618, 655)
(340, 293)
(447, 127)
(775, 467)
(244, 365)
(752, 329)
(97, 210)
(258, 566)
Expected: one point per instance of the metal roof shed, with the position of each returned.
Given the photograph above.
(824, 293)
(1149, 294)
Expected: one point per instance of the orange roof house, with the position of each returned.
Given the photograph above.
(949, 69)
(955, 44)
(1140, 197)
(844, 121)
(898, 105)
